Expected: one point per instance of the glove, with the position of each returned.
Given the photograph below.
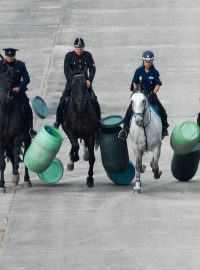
(151, 95)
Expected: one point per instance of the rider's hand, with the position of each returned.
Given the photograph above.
(151, 94)
(16, 89)
(88, 84)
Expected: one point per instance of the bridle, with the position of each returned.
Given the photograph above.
(142, 114)
(75, 97)
(8, 90)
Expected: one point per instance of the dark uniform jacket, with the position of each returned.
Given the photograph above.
(148, 79)
(21, 77)
(76, 64)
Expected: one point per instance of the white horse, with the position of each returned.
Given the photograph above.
(146, 135)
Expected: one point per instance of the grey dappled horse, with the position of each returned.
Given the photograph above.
(146, 135)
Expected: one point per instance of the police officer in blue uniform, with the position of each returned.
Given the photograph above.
(148, 77)
(20, 79)
(77, 62)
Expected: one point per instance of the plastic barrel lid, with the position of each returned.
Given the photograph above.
(184, 137)
(53, 173)
(123, 178)
(39, 107)
(111, 121)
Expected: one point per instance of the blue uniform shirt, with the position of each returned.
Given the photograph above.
(148, 79)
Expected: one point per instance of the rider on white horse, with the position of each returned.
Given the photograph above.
(149, 79)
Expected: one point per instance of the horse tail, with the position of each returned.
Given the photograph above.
(96, 142)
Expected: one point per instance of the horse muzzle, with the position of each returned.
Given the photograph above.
(139, 120)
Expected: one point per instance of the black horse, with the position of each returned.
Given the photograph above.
(13, 131)
(80, 122)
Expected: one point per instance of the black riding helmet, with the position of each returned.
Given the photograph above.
(148, 56)
(79, 43)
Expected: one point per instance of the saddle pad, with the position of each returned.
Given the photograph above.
(154, 107)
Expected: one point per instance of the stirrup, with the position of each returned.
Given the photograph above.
(123, 134)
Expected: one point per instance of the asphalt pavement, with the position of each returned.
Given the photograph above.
(67, 225)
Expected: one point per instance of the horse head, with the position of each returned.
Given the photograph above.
(139, 104)
(79, 92)
(6, 85)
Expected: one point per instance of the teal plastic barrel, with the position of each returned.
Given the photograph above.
(123, 178)
(53, 173)
(43, 149)
(184, 167)
(185, 137)
(114, 152)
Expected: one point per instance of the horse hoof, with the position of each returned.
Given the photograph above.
(137, 190)
(74, 158)
(90, 182)
(157, 175)
(137, 187)
(3, 190)
(27, 184)
(15, 179)
(70, 167)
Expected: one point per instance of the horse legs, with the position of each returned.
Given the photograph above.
(90, 179)
(154, 162)
(86, 153)
(2, 168)
(15, 163)
(139, 169)
(73, 154)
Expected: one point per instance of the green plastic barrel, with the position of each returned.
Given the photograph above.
(43, 149)
(114, 152)
(185, 137)
(184, 167)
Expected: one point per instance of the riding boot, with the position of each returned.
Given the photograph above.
(59, 114)
(60, 110)
(28, 116)
(165, 124)
(98, 110)
(123, 134)
(96, 104)
(198, 119)
(163, 115)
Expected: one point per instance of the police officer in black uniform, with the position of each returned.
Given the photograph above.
(76, 62)
(20, 79)
(148, 77)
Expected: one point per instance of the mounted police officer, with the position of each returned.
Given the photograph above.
(77, 62)
(148, 77)
(20, 79)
